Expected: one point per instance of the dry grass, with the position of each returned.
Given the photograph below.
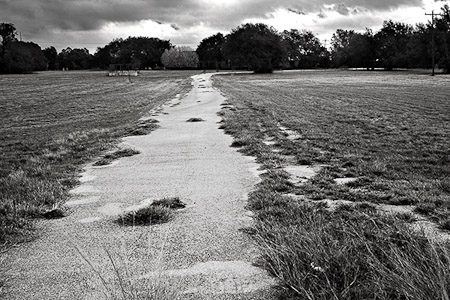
(149, 215)
(158, 212)
(52, 123)
(109, 158)
(120, 281)
(195, 120)
(391, 131)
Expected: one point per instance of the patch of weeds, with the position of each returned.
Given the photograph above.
(241, 142)
(55, 212)
(277, 180)
(366, 207)
(194, 120)
(173, 203)
(158, 212)
(142, 127)
(248, 230)
(445, 224)
(406, 217)
(426, 209)
(109, 158)
(350, 254)
(149, 215)
(118, 281)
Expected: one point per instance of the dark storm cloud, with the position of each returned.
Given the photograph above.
(39, 16)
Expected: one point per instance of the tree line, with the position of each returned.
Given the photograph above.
(256, 47)
(261, 48)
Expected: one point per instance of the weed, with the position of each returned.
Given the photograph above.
(149, 215)
(123, 283)
(158, 212)
(173, 203)
(406, 217)
(109, 158)
(142, 127)
(194, 120)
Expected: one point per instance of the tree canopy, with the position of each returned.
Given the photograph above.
(180, 58)
(255, 46)
(304, 50)
(141, 52)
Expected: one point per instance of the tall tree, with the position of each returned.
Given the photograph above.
(340, 43)
(51, 55)
(255, 46)
(443, 39)
(210, 51)
(180, 58)
(361, 50)
(304, 49)
(23, 57)
(392, 41)
(7, 34)
(142, 52)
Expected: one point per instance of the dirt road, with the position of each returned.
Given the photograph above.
(201, 254)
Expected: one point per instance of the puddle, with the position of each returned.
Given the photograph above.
(83, 201)
(111, 209)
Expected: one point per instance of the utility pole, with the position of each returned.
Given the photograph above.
(433, 46)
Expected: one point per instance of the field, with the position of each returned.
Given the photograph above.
(54, 122)
(385, 135)
(389, 135)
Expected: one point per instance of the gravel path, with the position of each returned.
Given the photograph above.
(201, 254)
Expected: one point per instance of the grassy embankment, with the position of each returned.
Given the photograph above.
(389, 130)
(51, 124)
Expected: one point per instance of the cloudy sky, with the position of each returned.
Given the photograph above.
(94, 23)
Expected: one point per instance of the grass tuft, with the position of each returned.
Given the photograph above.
(149, 215)
(173, 203)
(158, 212)
(142, 127)
(194, 120)
(109, 158)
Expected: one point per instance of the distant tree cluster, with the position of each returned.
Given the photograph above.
(180, 58)
(396, 45)
(16, 56)
(256, 47)
(141, 52)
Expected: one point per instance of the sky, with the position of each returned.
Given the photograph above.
(94, 23)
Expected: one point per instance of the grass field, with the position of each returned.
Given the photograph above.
(391, 131)
(54, 122)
